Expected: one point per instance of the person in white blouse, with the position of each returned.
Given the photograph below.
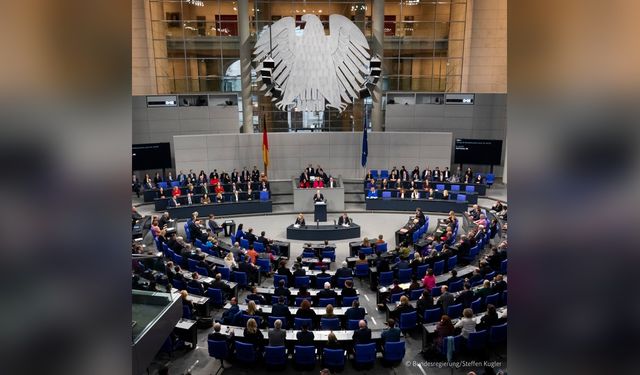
(415, 194)
(230, 262)
(467, 323)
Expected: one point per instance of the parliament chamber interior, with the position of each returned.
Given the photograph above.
(319, 187)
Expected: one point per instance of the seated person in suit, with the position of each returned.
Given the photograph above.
(281, 290)
(250, 269)
(235, 194)
(490, 319)
(327, 292)
(363, 334)
(281, 309)
(445, 194)
(355, 312)
(332, 183)
(255, 296)
(392, 333)
(431, 194)
(305, 337)
(343, 271)
(305, 312)
(298, 270)
(219, 284)
(303, 292)
(284, 270)
(229, 315)
(344, 219)
(348, 290)
(368, 176)
(277, 335)
(332, 342)
(318, 197)
(300, 220)
(252, 335)
(213, 225)
(478, 179)
(425, 302)
(194, 283)
(404, 307)
(205, 199)
(362, 259)
(384, 185)
(215, 335)
(372, 194)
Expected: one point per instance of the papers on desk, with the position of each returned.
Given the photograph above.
(346, 225)
(403, 230)
(296, 225)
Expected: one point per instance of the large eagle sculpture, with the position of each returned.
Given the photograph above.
(313, 71)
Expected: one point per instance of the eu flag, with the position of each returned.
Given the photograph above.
(365, 145)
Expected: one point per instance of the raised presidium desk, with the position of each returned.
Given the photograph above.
(219, 209)
(427, 205)
(322, 232)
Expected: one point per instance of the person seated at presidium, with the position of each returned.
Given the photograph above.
(304, 184)
(344, 220)
(318, 183)
(300, 220)
(373, 194)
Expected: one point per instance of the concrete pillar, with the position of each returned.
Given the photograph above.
(377, 48)
(245, 65)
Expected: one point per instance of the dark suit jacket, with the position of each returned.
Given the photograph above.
(354, 313)
(349, 292)
(281, 310)
(317, 198)
(250, 237)
(343, 272)
(281, 292)
(341, 220)
(362, 336)
(305, 338)
(327, 293)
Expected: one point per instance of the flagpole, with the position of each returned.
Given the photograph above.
(264, 129)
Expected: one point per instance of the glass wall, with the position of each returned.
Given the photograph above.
(196, 49)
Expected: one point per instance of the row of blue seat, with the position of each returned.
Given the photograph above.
(384, 173)
(306, 356)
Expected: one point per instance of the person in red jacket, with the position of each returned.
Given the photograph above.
(304, 184)
(429, 280)
(318, 183)
(175, 192)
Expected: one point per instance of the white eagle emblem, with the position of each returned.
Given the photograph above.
(314, 70)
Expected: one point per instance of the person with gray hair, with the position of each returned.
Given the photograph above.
(343, 271)
(277, 335)
(363, 334)
(327, 292)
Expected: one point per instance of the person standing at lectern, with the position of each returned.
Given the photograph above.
(344, 219)
(318, 197)
(300, 220)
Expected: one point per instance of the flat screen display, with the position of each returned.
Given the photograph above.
(478, 151)
(151, 156)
